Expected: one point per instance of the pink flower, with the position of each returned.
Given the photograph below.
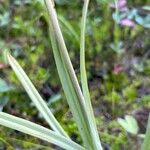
(122, 5)
(127, 22)
(117, 69)
(2, 66)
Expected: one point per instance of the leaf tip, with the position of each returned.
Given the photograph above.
(9, 57)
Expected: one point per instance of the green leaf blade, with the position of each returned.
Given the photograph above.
(69, 91)
(38, 131)
(84, 81)
(70, 83)
(35, 96)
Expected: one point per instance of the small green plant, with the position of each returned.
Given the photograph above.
(77, 98)
(129, 124)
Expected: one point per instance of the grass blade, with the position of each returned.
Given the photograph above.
(84, 81)
(69, 91)
(146, 144)
(35, 96)
(69, 81)
(38, 131)
(82, 54)
(62, 47)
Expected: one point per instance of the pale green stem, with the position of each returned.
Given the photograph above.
(83, 74)
(82, 53)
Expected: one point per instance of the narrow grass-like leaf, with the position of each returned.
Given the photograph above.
(38, 131)
(82, 54)
(69, 91)
(62, 47)
(146, 144)
(35, 96)
(84, 81)
(69, 81)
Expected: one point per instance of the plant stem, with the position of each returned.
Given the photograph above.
(84, 82)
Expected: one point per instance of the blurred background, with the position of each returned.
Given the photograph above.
(117, 62)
